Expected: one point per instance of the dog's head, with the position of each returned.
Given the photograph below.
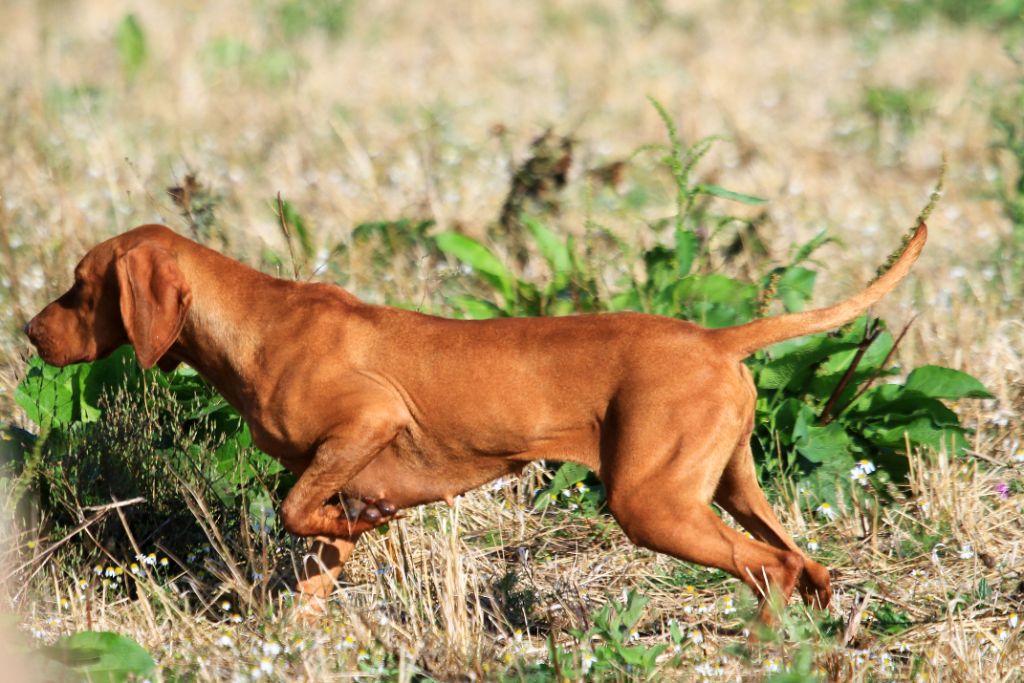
(127, 289)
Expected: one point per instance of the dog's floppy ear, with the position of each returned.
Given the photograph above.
(154, 300)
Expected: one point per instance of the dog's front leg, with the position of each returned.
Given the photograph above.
(315, 505)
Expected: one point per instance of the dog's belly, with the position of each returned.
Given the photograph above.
(415, 471)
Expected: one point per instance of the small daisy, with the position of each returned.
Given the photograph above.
(696, 637)
(587, 661)
(772, 666)
(581, 487)
(826, 511)
(866, 466)
(225, 641)
(634, 635)
(812, 545)
(966, 552)
(225, 605)
(1013, 620)
(727, 605)
(363, 656)
(348, 642)
(271, 649)
(110, 572)
(164, 562)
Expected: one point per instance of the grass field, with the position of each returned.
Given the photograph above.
(385, 124)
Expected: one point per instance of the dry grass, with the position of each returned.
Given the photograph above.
(418, 111)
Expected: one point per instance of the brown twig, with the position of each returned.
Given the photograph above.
(878, 371)
(103, 510)
(853, 624)
(871, 332)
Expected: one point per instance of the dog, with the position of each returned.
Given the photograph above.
(378, 409)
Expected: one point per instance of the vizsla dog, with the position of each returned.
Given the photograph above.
(378, 409)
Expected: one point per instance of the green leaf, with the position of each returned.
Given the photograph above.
(46, 393)
(476, 309)
(131, 45)
(920, 430)
(687, 246)
(296, 222)
(938, 382)
(794, 359)
(554, 251)
(821, 444)
(102, 657)
(796, 286)
(718, 191)
(480, 258)
(567, 474)
(809, 247)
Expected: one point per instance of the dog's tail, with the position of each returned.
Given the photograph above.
(743, 340)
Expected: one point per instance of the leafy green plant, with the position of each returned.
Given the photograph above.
(608, 650)
(569, 288)
(131, 45)
(109, 431)
(909, 14)
(819, 411)
(297, 18)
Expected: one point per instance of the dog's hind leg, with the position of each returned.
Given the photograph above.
(322, 565)
(660, 491)
(741, 496)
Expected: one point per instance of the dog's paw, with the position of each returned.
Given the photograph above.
(362, 514)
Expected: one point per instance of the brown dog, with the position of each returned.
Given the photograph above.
(379, 409)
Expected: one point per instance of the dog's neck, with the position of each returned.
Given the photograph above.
(228, 330)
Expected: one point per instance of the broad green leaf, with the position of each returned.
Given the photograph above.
(938, 382)
(102, 656)
(920, 430)
(480, 258)
(719, 289)
(793, 360)
(47, 393)
(718, 191)
(820, 444)
(796, 286)
(131, 45)
(626, 301)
